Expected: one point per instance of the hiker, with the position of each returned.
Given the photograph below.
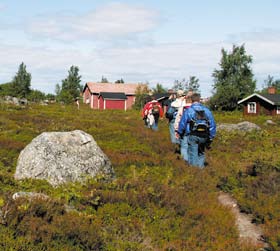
(171, 115)
(183, 138)
(153, 111)
(198, 123)
(170, 112)
(171, 98)
(145, 111)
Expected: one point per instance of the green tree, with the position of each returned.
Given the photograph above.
(6, 89)
(21, 82)
(119, 81)
(142, 91)
(186, 85)
(159, 89)
(192, 84)
(70, 88)
(104, 80)
(270, 82)
(36, 96)
(276, 84)
(234, 80)
(50, 96)
(179, 85)
(57, 89)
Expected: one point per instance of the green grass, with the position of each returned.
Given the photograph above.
(156, 202)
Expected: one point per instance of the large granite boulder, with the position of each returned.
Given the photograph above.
(61, 157)
(244, 126)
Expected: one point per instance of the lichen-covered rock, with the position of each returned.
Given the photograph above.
(242, 127)
(61, 157)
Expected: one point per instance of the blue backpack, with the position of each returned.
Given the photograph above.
(200, 124)
(171, 113)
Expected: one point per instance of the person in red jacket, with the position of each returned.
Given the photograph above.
(144, 112)
(152, 111)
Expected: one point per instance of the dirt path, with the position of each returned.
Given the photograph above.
(248, 231)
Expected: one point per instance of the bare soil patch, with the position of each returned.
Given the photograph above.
(248, 232)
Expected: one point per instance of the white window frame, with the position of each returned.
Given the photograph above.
(252, 107)
(278, 109)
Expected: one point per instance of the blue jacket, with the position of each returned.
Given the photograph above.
(189, 114)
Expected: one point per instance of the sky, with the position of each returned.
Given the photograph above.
(137, 41)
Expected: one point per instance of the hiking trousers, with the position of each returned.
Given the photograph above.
(196, 150)
(173, 138)
(184, 148)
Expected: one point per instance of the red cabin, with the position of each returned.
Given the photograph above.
(109, 95)
(262, 104)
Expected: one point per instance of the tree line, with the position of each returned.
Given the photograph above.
(233, 80)
(20, 87)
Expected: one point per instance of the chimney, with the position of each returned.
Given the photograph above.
(271, 90)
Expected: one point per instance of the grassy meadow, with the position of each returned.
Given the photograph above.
(156, 202)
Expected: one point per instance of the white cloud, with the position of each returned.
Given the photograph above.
(162, 63)
(119, 19)
(168, 60)
(112, 20)
(155, 62)
(47, 66)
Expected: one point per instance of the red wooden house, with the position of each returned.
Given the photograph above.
(262, 104)
(109, 95)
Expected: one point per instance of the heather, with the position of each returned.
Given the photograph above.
(155, 202)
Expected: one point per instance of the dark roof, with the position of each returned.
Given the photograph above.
(161, 96)
(273, 99)
(113, 95)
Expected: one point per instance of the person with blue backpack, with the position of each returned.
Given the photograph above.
(198, 123)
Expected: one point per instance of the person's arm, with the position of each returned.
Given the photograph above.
(145, 109)
(212, 128)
